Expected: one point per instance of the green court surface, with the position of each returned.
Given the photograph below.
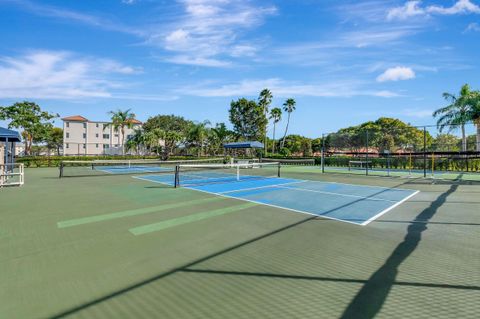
(120, 247)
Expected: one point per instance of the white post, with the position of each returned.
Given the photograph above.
(238, 172)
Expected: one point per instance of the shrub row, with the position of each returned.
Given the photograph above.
(54, 161)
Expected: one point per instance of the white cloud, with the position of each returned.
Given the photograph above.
(73, 16)
(398, 73)
(281, 88)
(473, 27)
(409, 9)
(198, 61)
(58, 75)
(414, 8)
(461, 6)
(129, 1)
(209, 31)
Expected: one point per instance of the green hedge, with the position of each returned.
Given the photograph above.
(54, 161)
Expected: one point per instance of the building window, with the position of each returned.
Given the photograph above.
(116, 135)
(105, 126)
(96, 135)
(67, 145)
(83, 145)
(67, 124)
(116, 145)
(96, 125)
(84, 125)
(67, 135)
(96, 145)
(105, 146)
(106, 136)
(84, 135)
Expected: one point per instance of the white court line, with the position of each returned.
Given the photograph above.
(144, 178)
(260, 187)
(340, 194)
(368, 221)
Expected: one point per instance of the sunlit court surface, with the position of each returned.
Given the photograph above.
(222, 245)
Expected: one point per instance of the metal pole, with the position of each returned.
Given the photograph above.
(176, 177)
(366, 155)
(424, 151)
(322, 161)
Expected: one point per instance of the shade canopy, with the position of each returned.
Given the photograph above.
(11, 136)
(247, 144)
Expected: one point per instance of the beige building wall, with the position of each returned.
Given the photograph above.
(83, 137)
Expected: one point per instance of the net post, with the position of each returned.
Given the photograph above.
(238, 172)
(61, 170)
(278, 169)
(176, 178)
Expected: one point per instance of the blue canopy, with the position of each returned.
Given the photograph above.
(247, 144)
(12, 136)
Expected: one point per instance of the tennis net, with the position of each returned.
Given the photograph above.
(295, 162)
(125, 167)
(201, 174)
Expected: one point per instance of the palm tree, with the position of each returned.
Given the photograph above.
(152, 139)
(264, 100)
(220, 134)
(474, 114)
(121, 120)
(276, 116)
(456, 113)
(198, 133)
(136, 141)
(289, 107)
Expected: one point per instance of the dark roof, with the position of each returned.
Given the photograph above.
(246, 144)
(12, 136)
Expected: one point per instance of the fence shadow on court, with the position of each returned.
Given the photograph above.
(371, 297)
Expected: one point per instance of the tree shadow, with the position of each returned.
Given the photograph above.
(371, 297)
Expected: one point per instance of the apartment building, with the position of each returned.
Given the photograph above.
(84, 137)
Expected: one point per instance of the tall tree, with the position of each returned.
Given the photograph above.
(248, 119)
(54, 139)
(197, 135)
(289, 107)
(474, 114)
(264, 101)
(136, 141)
(219, 135)
(120, 121)
(29, 117)
(276, 116)
(456, 113)
(174, 130)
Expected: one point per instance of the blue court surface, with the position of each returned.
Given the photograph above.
(133, 169)
(355, 204)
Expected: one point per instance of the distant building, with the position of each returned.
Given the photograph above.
(84, 137)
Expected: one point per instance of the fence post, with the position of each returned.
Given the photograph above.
(424, 151)
(366, 156)
(322, 159)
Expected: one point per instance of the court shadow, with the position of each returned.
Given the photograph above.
(138, 285)
(371, 297)
(325, 279)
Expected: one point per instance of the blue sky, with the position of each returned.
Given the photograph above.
(344, 62)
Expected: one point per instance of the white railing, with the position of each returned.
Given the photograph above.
(12, 175)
